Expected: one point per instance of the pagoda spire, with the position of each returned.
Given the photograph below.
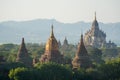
(65, 43)
(23, 48)
(22, 55)
(81, 47)
(52, 33)
(82, 58)
(95, 15)
(23, 42)
(95, 25)
(81, 40)
(51, 53)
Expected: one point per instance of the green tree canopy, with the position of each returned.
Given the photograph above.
(54, 71)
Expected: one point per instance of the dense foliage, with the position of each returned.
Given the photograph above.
(110, 53)
(104, 69)
(5, 68)
(47, 71)
(9, 51)
(53, 71)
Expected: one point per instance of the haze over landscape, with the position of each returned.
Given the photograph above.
(67, 11)
(38, 31)
(32, 19)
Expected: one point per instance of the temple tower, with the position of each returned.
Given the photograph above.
(52, 53)
(95, 37)
(81, 59)
(23, 55)
(65, 43)
(59, 44)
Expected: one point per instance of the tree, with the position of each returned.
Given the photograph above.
(54, 71)
(86, 74)
(9, 51)
(46, 71)
(20, 73)
(5, 68)
(95, 54)
(110, 70)
(109, 53)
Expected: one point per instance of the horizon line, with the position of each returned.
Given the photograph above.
(25, 20)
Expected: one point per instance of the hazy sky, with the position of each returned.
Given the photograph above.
(67, 11)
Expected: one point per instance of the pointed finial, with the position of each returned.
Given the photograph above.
(81, 34)
(23, 40)
(81, 31)
(81, 38)
(52, 34)
(95, 15)
(52, 27)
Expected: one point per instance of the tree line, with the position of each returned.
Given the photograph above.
(52, 71)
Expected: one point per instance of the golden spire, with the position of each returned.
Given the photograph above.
(52, 42)
(52, 53)
(52, 34)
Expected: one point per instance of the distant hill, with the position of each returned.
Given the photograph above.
(38, 31)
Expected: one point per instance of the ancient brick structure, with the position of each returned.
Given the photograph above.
(23, 56)
(81, 59)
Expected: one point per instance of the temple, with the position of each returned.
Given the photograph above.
(59, 44)
(96, 37)
(110, 44)
(81, 59)
(65, 44)
(23, 55)
(52, 53)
